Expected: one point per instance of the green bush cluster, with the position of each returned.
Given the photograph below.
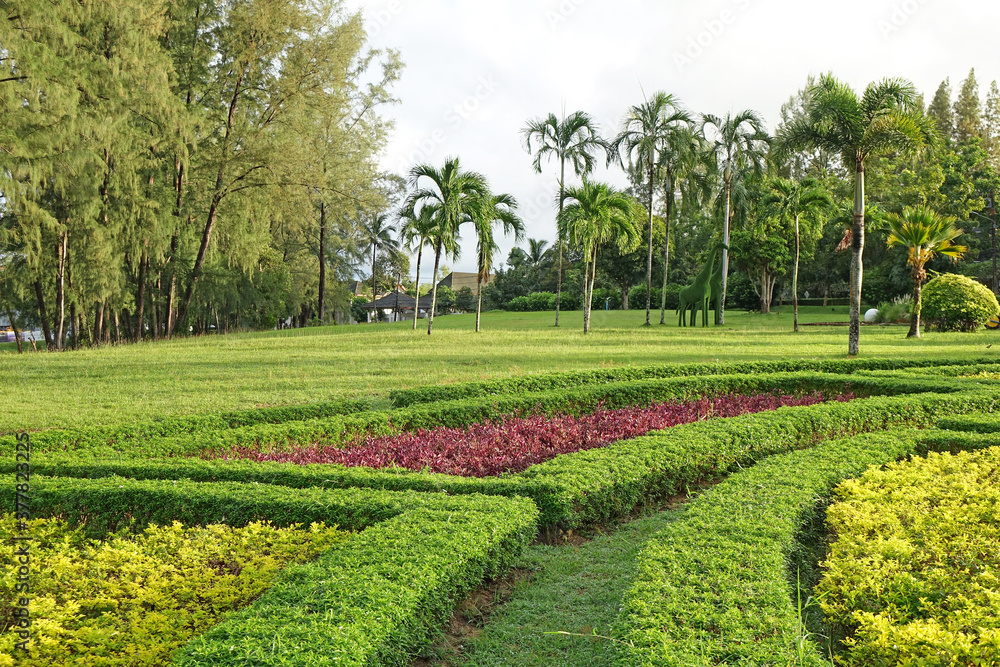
(913, 576)
(533, 303)
(131, 601)
(957, 303)
(715, 586)
(377, 598)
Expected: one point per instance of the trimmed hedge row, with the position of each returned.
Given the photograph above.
(972, 424)
(378, 598)
(131, 434)
(570, 379)
(587, 486)
(345, 429)
(714, 586)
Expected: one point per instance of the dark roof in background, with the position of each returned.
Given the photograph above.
(406, 302)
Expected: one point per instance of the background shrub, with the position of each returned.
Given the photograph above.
(957, 303)
(897, 310)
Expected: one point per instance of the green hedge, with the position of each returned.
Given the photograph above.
(714, 586)
(587, 486)
(344, 429)
(376, 599)
(571, 379)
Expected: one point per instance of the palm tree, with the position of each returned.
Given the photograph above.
(800, 201)
(596, 215)
(925, 234)
(492, 209)
(886, 119)
(377, 235)
(574, 139)
(680, 159)
(453, 194)
(740, 144)
(644, 135)
(536, 251)
(417, 230)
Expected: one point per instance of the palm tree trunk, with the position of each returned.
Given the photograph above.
(434, 288)
(589, 291)
(915, 313)
(374, 295)
(857, 265)
(649, 261)
(562, 194)
(416, 292)
(666, 254)
(479, 301)
(795, 279)
(61, 292)
(725, 255)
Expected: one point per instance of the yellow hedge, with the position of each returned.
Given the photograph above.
(913, 578)
(131, 600)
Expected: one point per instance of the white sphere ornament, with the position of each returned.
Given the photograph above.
(871, 315)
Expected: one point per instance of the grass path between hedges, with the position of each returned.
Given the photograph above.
(576, 589)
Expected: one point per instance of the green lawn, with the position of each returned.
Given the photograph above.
(212, 373)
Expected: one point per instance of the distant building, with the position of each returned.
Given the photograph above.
(457, 281)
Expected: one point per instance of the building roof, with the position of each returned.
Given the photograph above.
(405, 302)
(457, 280)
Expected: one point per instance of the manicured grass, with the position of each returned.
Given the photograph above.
(192, 376)
(574, 589)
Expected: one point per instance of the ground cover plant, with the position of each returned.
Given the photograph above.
(132, 600)
(373, 599)
(914, 572)
(514, 444)
(715, 586)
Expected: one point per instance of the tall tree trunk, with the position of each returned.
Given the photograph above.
(75, 326)
(590, 291)
(915, 311)
(374, 293)
(725, 252)
(118, 331)
(322, 262)
(559, 240)
(416, 291)
(795, 278)
(649, 261)
(479, 300)
(666, 252)
(98, 324)
(140, 297)
(42, 314)
(586, 291)
(434, 288)
(171, 308)
(213, 208)
(857, 266)
(13, 325)
(61, 292)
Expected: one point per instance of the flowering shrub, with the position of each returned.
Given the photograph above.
(515, 444)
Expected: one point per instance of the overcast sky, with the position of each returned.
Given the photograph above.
(477, 70)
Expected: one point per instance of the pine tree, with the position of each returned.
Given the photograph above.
(968, 110)
(991, 126)
(940, 110)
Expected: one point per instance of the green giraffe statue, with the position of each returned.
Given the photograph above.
(698, 295)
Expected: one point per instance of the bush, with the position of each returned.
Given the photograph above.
(86, 596)
(533, 303)
(897, 310)
(914, 573)
(956, 303)
(611, 297)
(740, 293)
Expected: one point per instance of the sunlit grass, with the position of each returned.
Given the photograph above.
(212, 373)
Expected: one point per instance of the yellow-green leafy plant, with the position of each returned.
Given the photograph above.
(130, 600)
(913, 577)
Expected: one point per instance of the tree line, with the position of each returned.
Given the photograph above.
(169, 166)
